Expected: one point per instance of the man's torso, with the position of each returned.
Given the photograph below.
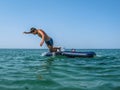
(46, 36)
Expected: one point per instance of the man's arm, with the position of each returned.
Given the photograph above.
(43, 37)
(27, 32)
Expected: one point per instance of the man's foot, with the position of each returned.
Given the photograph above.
(59, 49)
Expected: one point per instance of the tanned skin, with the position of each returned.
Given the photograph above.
(44, 38)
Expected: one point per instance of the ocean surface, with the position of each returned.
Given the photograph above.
(28, 69)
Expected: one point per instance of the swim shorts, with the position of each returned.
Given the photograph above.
(49, 42)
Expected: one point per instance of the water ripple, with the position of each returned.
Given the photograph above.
(24, 69)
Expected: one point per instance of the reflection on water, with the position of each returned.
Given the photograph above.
(46, 67)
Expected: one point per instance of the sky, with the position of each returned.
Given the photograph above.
(81, 24)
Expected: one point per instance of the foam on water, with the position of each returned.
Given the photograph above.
(44, 53)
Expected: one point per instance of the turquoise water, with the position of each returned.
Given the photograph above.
(27, 69)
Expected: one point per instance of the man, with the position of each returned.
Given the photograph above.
(45, 38)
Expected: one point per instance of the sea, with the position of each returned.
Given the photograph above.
(29, 69)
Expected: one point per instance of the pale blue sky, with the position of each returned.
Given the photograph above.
(71, 23)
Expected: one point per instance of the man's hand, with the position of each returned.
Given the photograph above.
(26, 32)
(41, 43)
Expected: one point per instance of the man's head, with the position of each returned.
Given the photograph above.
(33, 30)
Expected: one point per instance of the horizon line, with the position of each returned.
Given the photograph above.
(63, 48)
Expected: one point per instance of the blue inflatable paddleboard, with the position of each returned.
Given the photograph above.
(71, 54)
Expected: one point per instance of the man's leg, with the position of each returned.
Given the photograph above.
(51, 49)
(57, 48)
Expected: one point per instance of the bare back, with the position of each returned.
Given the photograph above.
(45, 35)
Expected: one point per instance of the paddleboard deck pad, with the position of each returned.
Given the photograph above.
(71, 54)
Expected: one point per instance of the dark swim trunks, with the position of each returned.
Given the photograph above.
(50, 42)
